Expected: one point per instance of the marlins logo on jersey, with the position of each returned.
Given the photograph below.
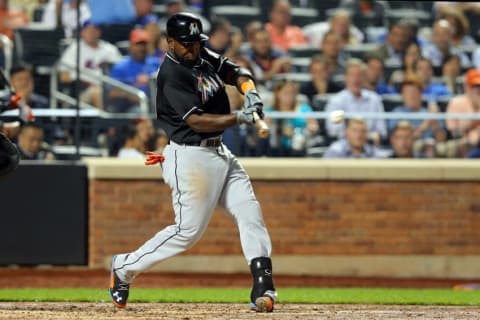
(208, 86)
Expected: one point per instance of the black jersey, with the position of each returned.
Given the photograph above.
(183, 90)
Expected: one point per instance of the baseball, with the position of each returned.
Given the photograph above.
(337, 116)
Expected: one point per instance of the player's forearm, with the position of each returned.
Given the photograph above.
(207, 122)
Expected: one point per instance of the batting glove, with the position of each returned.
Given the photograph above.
(253, 100)
(246, 115)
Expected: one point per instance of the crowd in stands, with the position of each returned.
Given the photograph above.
(359, 56)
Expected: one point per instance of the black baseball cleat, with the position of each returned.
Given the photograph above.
(118, 289)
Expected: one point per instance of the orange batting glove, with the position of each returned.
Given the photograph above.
(153, 158)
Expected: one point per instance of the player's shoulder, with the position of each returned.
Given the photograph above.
(172, 70)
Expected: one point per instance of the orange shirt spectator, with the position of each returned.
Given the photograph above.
(282, 33)
(466, 103)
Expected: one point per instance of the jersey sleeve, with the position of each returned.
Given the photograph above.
(227, 70)
(182, 96)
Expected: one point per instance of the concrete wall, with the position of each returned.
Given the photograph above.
(326, 217)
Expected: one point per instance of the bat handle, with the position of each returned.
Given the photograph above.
(262, 128)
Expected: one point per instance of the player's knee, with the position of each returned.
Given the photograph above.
(190, 235)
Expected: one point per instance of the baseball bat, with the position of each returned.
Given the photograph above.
(262, 128)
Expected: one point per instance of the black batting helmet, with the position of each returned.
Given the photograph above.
(185, 27)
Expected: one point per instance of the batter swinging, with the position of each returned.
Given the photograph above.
(193, 108)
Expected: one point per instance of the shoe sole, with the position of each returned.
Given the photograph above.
(112, 282)
(264, 304)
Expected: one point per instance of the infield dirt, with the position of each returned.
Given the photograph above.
(141, 311)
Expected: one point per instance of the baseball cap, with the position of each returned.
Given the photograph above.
(472, 77)
(138, 35)
(87, 23)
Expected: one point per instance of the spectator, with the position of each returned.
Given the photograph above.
(135, 70)
(290, 137)
(223, 39)
(21, 78)
(283, 34)
(94, 55)
(321, 83)
(340, 24)
(146, 132)
(466, 103)
(476, 58)
(332, 51)
(373, 9)
(354, 98)
(31, 145)
(161, 141)
(412, 54)
(157, 45)
(132, 146)
(111, 11)
(442, 44)
(401, 140)
(451, 70)
(397, 41)
(58, 13)
(144, 13)
(460, 26)
(374, 80)
(424, 71)
(412, 103)
(176, 6)
(11, 19)
(267, 61)
(355, 144)
(464, 6)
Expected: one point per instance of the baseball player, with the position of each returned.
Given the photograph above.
(193, 108)
(9, 154)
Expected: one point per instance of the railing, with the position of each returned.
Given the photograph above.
(56, 95)
(8, 52)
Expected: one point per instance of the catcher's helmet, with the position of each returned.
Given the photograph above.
(185, 27)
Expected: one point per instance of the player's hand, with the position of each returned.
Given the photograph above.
(246, 115)
(253, 100)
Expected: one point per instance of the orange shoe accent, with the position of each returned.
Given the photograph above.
(264, 304)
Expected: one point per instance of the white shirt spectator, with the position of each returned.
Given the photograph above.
(90, 58)
(130, 153)
(476, 58)
(368, 101)
(342, 149)
(315, 32)
(69, 16)
(431, 52)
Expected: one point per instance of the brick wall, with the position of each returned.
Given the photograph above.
(304, 218)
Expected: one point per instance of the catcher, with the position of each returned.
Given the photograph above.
(9, 155)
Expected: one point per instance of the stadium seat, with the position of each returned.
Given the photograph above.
(238, 16)
(38, 47)
(422, 17)
(303, 16)
(303, 51)
(297, 77)
(360, 50)
(117, 32)
(319, 101)
(323, 6)
(301, 64)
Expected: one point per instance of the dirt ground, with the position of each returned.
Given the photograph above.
(139, 311)
(51, 277)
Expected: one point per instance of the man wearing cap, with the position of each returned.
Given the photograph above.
(469, 102)
(411, 90)
(135, 70)
(194, 110)
(94, 54)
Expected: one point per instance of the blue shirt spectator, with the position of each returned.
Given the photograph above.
(424, 71)
(128, 70)
(111, 11)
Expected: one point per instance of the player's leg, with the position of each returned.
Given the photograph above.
(240, 203)
(196, 178)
